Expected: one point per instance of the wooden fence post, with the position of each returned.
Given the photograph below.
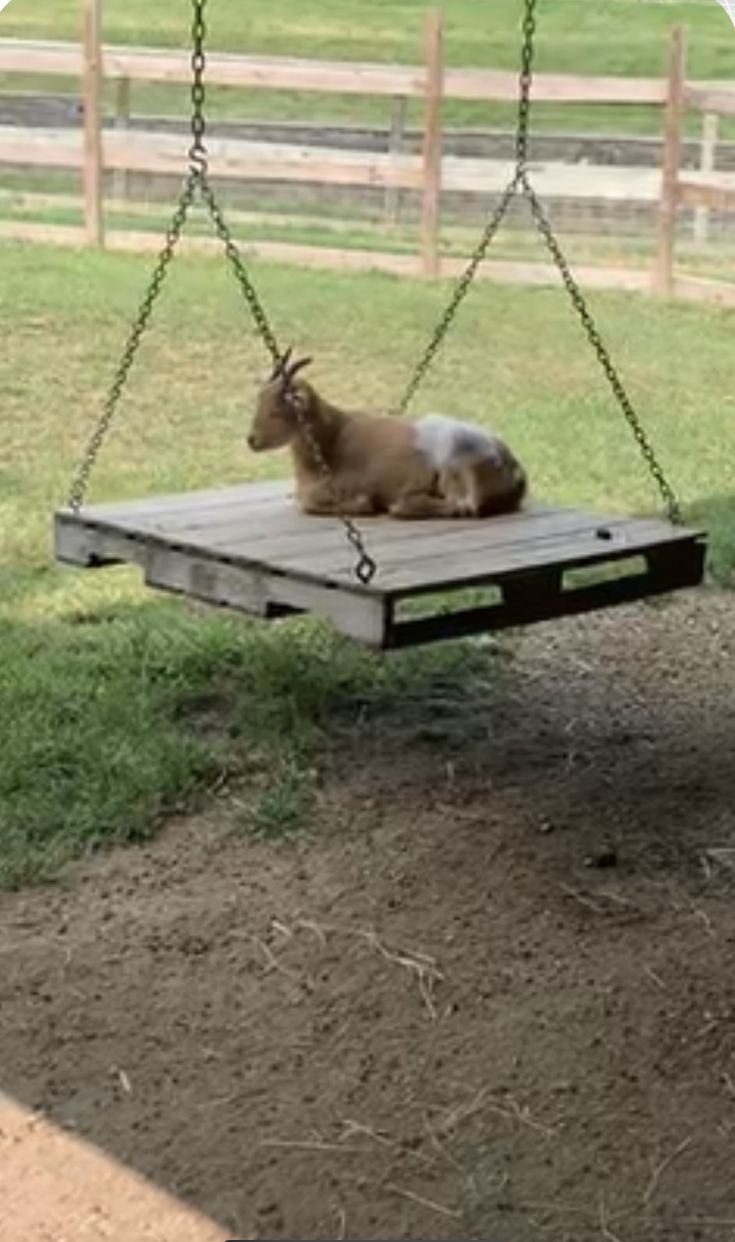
(663, 279)
(92, 102)
(710, 131)
(432, 151)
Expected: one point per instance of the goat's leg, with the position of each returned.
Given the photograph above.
(416, 505)
(458, 485)
(326, 500)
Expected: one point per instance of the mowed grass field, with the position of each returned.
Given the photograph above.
(625, 37)
(117, 707)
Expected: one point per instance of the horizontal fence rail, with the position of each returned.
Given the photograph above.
(98, 148)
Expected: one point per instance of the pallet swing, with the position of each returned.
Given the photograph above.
(248, 547)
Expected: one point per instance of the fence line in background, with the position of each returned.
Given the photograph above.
(428, 174)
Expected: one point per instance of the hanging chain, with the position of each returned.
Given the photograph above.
(197, 185)
(580, 305)
(524, 84)
(81, 478)
(198, 150)
(232, 252)
(522, 181)
(365, 567)
(461, 289)
(480, 252)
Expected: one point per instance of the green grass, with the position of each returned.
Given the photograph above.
(625, 37)
(116, 708)
(367, 230)
(596, 36)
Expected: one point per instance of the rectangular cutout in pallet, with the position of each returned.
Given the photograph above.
(249, 548)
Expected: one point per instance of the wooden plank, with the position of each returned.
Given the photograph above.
(92, 169)
(243, 160)
(391, 542)
(41, 56)
(235, 496)
(257, 161)
(411, 568)
(275, 532)
(166, 154)
(368, 616)
(710, 97)
(324, 76)
(717, 191)
(359, 614)
(174, 66)
(122, 122)
(426, 574)
(270, 72)
(575, 551)
(494, 85)
(549, 602)
(432, 143)
(396, 141)
(274, 522)
(664, 270)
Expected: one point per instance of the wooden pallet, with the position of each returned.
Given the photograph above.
(249, 548)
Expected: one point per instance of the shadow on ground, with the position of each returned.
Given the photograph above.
(489, 994)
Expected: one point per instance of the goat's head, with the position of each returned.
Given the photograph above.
(281, 403)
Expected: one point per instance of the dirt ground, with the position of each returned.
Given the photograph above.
(490, 995)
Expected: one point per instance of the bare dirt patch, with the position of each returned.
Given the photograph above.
(490, 995)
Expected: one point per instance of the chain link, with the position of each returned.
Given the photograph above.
(233, 254)
(521, 181)
(525, 82)
(81, 478)
(197, 184)
(197, 150)
(480, 253)
(593, 335)
(460, 291)
(365, 567)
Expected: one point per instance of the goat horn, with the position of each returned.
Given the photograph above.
(297, 366)
(282, 364)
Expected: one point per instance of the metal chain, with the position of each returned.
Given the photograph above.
(525, 82)
(365, 567)
(81, 478)
(521, 180)
(197, 184)
(590, 327)
(460, 291)
(233, 254)
(463, 285)
(197, 150)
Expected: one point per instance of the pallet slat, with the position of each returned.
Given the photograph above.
(250, 549)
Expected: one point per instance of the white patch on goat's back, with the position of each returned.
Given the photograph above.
(447, 442)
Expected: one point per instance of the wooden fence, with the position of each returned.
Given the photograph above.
(428, 174)
(705, 190)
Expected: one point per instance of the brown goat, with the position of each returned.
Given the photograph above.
(361, 464)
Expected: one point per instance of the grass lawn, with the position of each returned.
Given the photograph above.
(625, 37)
(116, 707)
